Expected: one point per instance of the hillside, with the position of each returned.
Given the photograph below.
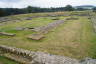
(86, 6)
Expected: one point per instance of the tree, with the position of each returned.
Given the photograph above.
(94, 9)
(69, 8)
(2, 12)
(29, 8)
(80, 9)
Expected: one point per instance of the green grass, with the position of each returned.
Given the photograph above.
(74, 38)
(4, 60)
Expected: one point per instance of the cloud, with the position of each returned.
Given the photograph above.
(10, 0)
(44, 3)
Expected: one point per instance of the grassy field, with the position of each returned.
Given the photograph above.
(74, 38)
(4, 60)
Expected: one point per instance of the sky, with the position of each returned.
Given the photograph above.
(44, 3)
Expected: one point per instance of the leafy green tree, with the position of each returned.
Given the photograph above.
(29, 8)
(94, 9)
(2, 12)
(69, 8)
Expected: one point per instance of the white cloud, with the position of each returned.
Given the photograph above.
(45, 3)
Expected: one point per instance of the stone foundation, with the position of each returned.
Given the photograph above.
(29, 57)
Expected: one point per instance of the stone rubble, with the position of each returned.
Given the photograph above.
(19, 28)
(42, 58)
(93, 20)
(7, 34)
(36, 36)
(45, 29)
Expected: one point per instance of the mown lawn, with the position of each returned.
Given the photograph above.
(74, 38)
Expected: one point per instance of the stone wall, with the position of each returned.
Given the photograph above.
(41, 31)
(45, 29)
(93, 19)
(29, 57)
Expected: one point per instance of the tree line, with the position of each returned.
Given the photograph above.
(30, 9)
(94, 9)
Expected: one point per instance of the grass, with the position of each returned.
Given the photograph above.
(74, 38)
(4, 60)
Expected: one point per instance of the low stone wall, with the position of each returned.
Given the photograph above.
(29, 57)
(45, 29)
(14, 52)
(7, 34)
(93, 19)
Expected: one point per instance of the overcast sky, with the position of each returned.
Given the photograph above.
(44, 3)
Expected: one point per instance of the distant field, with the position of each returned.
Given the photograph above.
(74, 38)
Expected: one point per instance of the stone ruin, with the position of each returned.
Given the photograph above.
(19, 28)
(6, 19)
(78, 14)
(24, 55)
(31, 27)
(44, 29)
(28, 18)
(72, 18)
(30, 57)
(7, 34)
(93, 20)
(36, 36)
(54, 18)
